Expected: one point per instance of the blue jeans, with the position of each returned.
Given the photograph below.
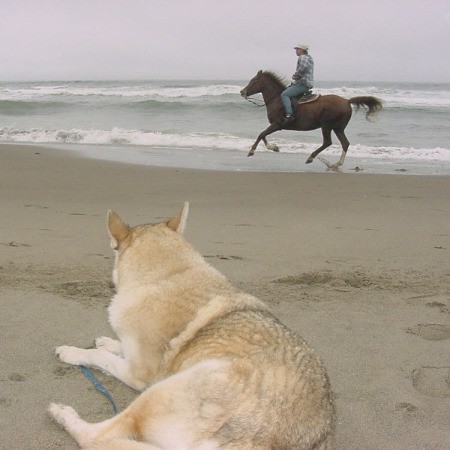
(292, 91)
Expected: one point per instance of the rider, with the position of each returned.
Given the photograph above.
(303, 80)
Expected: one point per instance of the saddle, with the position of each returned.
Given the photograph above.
(307, 97)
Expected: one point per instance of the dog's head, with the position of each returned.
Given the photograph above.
(144, 246)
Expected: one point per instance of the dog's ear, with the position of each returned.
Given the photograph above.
(118, 230)
(178, 223)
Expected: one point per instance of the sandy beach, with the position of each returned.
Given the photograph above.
(358, 264)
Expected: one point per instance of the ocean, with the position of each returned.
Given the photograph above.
(206, 124)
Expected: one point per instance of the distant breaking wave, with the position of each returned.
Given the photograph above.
(396, 97)
(75, 92)
(138, 92)
(223, 141)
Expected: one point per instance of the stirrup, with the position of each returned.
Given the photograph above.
(288, 119)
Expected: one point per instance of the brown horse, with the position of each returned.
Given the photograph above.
(328, 112)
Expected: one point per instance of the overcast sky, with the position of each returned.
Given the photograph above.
(361, 40)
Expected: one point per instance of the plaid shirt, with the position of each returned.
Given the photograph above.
(304, 73)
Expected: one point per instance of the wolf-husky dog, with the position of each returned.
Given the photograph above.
(217, 368)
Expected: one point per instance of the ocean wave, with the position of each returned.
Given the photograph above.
(122, 137)
(423, 96)
(130, 92)
(189, 105)
(180, 104)
(395, 97)
(12, 107)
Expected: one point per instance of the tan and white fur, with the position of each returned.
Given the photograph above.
(216, 367)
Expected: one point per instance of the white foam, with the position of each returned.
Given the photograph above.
(223, 141)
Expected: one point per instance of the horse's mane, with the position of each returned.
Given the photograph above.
(277, 78)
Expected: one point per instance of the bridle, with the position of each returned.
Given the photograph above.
(258, 102)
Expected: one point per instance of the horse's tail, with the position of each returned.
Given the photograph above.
(371, 104)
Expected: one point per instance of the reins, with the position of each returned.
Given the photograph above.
(254, 101)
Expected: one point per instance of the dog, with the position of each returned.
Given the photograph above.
(217, 369)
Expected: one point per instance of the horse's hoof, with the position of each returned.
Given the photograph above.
(309, 161)
(250, 154)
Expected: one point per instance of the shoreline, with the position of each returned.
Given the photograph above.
(263, 161)
(356, 263)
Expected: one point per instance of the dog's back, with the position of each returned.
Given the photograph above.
(280, 395)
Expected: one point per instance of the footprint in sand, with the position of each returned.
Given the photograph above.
(14, 376)
(14, 244)
(239, 258)
(432, 381)
(61, 372)
(5, 401)
(441, 306)
(431, 332)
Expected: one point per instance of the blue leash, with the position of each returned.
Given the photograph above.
(100, 388)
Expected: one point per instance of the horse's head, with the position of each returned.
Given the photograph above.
(253, 86)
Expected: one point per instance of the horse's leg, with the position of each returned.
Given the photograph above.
(262, 137)
(273, 147)
(345, 144)
(326, 133)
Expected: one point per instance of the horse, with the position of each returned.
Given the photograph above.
(328, 112)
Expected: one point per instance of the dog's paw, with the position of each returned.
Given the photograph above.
(71, 355)
(63, 414)
(111, 345)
